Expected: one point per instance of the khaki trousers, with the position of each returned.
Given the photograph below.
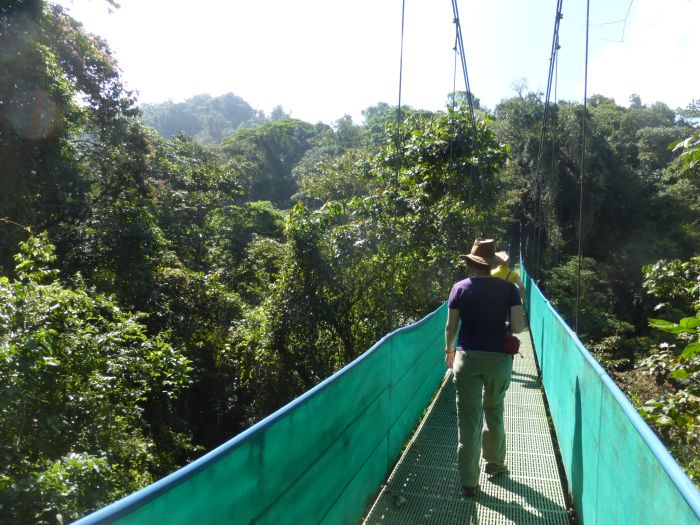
(476, 373)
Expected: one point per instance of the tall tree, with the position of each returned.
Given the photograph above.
(263, 157)
(77, 370)
(48, 63)
(358, 268)
(205, 118)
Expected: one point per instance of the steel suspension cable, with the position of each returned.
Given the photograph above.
(460, 46)
(459, 49)
(399, 116)
(454, 77)
(537, 226)
(453, 124)
(452, 116)
(398, 107)
(399, 155)
(555, 119)
(552, 62)
(583, 166)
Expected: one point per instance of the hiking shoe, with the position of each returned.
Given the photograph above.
(469, 492)
(494, 468)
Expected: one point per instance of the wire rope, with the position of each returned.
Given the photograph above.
(453, 105)
(459, 49)
(398, 107)
(399, 116)
(452, 110)
(538, 208)
(460, 46)
(583, 167)
(555, 119)
(394, 185)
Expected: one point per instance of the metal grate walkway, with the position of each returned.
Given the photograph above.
(425, 488)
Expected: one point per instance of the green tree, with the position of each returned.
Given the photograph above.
(188, 183)
(205, 118)
(598, 326)
(627, 222)
(331, 178)
(357, 268)
(49, 63)
(654, 148)
(318, 174)
(278, 113)
(463, 97)
(78, 372)
(691, 113)
(675, 360)
(229, 232)
(264, 157)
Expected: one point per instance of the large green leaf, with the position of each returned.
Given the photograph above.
(679, 374)
(666, 326)
(691, 350)
(689, 322)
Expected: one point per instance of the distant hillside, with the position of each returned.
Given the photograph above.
(205, 118)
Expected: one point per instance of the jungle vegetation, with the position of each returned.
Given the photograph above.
(171, 274)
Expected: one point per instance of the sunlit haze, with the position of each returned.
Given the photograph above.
(321, 59)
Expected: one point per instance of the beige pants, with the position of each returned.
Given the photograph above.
(475, 373)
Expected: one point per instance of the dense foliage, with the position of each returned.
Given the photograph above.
(640, 239)
(675, 360)
(165, 294)
(207, 119)
(76, 368)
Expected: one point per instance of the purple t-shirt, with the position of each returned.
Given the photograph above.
(484, 304)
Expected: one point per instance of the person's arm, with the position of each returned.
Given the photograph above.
(521, 289)
(451, 335)
(516, 319)
(517, 298)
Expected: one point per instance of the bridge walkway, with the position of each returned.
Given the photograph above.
(424, 486)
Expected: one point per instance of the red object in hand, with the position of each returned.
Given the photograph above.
(512, 345)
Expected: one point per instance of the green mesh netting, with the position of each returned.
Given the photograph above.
(320, 459)
(618, 471)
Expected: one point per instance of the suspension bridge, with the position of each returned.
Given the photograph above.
(376, 443)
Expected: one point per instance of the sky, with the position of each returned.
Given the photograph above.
(322, 59)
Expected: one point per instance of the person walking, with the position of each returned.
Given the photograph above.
(503, 271)
(481, 370)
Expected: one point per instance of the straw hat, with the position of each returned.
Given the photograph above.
(484, 253)
(503, 256)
